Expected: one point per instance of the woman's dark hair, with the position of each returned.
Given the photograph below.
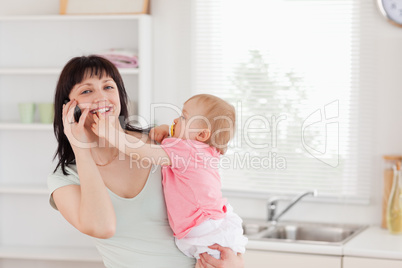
(74, 72)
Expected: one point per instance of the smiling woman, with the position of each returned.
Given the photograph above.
(102, 195)
(78, 80)
(98, 199)
(93, 93)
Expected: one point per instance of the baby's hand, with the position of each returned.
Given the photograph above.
(99, 125)
(159, 133)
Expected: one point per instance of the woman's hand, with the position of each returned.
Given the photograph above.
(159, 133)
(76, 133)
(229, 259)
(100, 127)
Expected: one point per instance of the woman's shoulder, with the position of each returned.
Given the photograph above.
(70, 169)
(57, 178)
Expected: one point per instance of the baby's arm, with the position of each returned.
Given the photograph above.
(129, 145)
(159, 133)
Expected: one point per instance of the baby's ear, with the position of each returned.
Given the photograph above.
(203, 135)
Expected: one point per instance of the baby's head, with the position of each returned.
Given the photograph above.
(208, 119)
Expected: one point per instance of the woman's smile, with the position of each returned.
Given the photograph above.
(101, 110)
(99, 95)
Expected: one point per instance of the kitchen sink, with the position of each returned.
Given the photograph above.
(301, 232)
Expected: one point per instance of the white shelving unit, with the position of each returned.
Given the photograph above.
(23, 189)
(20, 126)
(52, 71)
(33, 51)
(51, 253)
(71, 17)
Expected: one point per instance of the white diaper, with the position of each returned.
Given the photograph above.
(227, 232)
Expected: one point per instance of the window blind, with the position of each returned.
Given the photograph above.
(297, 73)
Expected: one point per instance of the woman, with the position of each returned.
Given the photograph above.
(98, 190)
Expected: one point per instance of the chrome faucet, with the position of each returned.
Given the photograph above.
(273, 205)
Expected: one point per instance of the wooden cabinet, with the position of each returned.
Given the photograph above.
(33, 50)
(269, 259)
(358, 262)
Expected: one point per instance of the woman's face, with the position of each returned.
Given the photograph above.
(98, 95)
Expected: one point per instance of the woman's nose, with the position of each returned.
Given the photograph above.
(99, 96)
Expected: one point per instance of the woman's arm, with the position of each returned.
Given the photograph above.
(128, 144)
(87, 207)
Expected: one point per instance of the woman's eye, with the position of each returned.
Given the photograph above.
(108, 87)
(86, 91)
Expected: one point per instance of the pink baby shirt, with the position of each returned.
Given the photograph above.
(191, 185)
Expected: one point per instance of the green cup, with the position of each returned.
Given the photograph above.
(46, 112)
(27, 112)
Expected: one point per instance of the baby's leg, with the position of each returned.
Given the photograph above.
(198, 265)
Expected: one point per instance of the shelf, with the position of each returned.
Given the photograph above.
(27, 69)
(23, 189)
(52, 71)
(50, 253)
(21, 126)
(71, 17)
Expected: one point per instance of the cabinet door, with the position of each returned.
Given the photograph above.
(354, 262)
(268, 259)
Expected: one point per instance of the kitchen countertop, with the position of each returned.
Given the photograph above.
(375, 242)
(295, 247)
(372, 242)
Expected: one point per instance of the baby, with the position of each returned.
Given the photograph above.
(198, 214)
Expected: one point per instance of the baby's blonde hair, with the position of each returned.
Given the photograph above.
(221, 117)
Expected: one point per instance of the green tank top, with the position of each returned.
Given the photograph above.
(143, 236)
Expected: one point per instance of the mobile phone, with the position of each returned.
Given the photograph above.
(77, 112)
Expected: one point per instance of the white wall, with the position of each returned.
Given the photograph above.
(27, 7)
(171, 20)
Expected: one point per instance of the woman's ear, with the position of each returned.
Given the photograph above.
(203, 135)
